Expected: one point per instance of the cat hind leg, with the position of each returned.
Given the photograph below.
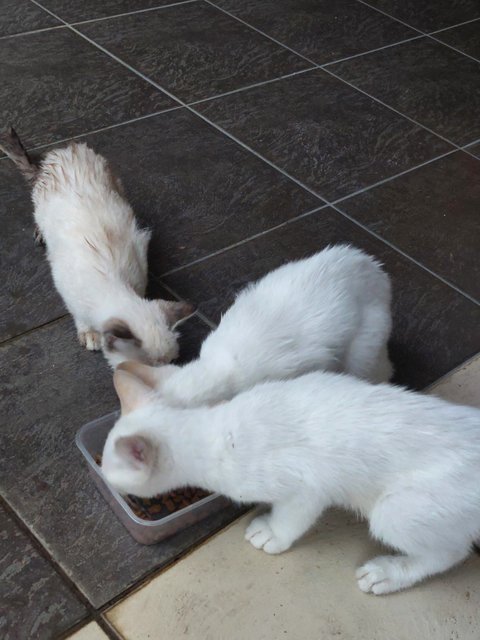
(423, 519)
(386, 574)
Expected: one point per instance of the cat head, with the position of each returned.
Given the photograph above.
(136, 457)
(145, 333)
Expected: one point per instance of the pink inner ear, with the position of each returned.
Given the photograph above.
(137, 449)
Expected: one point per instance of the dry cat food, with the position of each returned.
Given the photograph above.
(163, 505)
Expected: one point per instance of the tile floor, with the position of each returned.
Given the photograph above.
(247, 133)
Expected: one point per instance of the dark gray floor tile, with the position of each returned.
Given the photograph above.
(74, 11)
(435, 328)
(434, 85)
(18, 16)
(55, 85)
(324, 133)
(320, 29)
(429, 15)
(27, 295)
(433, 215)
(36, 603)
(195, 188)
(51, 388)
(475, 149)
(465, 38)
(194, 50)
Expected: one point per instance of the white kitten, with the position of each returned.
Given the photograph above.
(407, 462)
(97, 254)
(330, 311)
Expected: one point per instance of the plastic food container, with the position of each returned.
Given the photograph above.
(90, 440)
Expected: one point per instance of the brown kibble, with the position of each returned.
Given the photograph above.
(170, 505)
(155, 508)
(160, 506)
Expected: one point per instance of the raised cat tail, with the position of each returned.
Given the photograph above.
(12, 146)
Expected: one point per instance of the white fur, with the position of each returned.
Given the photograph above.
(330, 311)
(98, 257)
(407, 462)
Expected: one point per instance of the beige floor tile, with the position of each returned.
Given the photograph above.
(90, 631)
(463, 385)
(227, 590)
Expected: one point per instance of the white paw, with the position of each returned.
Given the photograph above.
(261, 536)
(380, 575)
(91, 340)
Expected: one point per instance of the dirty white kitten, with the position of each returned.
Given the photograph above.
(98, 254)
(407, 462)
(330, 311)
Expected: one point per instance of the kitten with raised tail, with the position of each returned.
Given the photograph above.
(407, 462)
(330, 311)
(97, 254)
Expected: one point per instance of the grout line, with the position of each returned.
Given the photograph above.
(397, 175)
(450, 373)
(405, 24)
(265, 35)
(258, 155)
(33, 31)
(74, 628)
(364, 53)
(7, 341)
(406, 255)
(44, 553)
(469, 153)
(470, 144)
(197, 313)
(92, 614)
(106, 626)
(323, 67)
(241, 242)
(255, 153)
(335, 207)
(252, 86)
(182, 103)
(132, 13)
(428, 34)
(384, 104)
(453, 26)
(93, 131)
(449, 46)
(240, 511)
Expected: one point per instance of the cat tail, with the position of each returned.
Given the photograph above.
(12, 146)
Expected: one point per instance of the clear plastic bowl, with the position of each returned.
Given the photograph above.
(90, 440)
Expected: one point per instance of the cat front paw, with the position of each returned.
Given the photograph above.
(261, 536)
(381, 575)
(91, 340)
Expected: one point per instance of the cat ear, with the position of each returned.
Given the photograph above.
(154, 377)
(136, 451)
(132, 391)
(176, 312)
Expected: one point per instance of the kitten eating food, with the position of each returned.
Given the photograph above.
(405, 461)
(330, 311)
(97, 254)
